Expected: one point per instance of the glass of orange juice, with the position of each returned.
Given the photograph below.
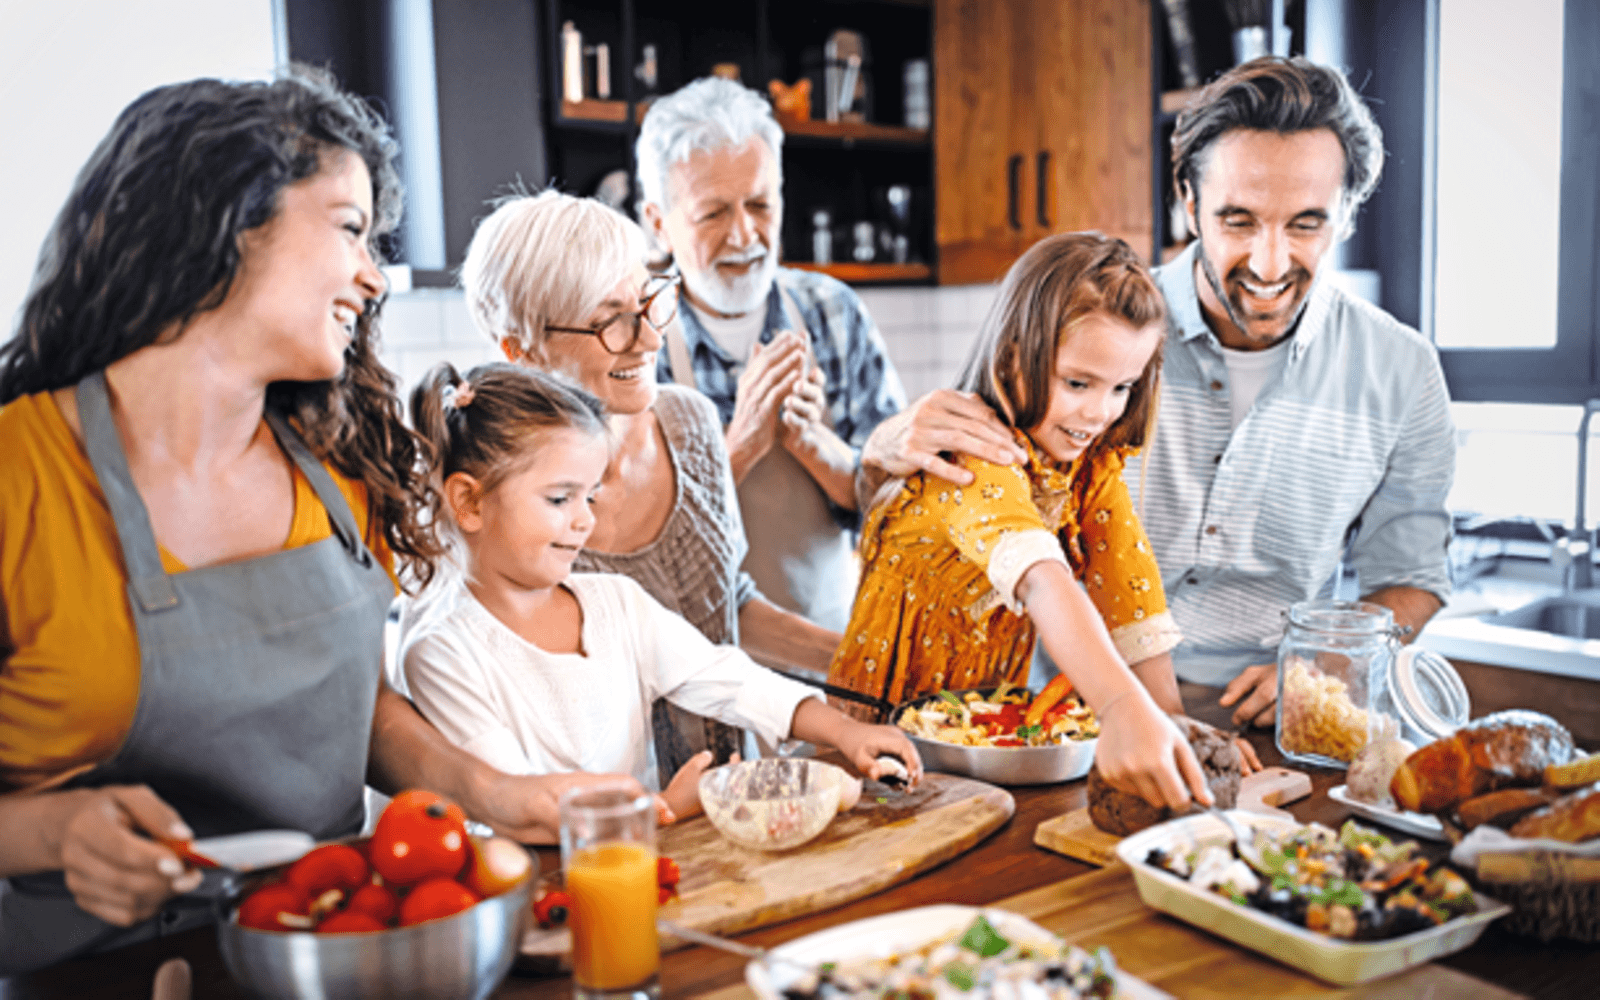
(608, 851)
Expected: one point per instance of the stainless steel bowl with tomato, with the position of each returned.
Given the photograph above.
(1012, 761)
(448, 943)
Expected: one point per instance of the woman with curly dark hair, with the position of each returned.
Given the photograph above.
(204, 484)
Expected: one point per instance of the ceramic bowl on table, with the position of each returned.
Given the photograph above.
(1044, 765)
(465, 955)
(772, 804)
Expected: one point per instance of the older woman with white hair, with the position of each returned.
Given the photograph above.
(560, 284)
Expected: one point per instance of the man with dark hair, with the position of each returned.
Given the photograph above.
(1303, 433)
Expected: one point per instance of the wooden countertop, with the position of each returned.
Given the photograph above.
(1004, 866)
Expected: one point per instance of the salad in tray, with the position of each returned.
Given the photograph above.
(977, 961)
(1354, 884)
(1006, 717)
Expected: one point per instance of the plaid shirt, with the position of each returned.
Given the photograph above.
(862, 386)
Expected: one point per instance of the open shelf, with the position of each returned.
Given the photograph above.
(590, 111)
(868, 274)
(849, 133)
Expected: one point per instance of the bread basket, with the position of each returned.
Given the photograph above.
(1553, 889)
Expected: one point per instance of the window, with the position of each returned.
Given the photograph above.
(68, 69)
(1514, 195)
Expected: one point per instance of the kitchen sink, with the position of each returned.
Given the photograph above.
(1575, 614)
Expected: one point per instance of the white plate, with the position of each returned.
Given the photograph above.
(1416, 824)
(1342, 962)
(880, 937)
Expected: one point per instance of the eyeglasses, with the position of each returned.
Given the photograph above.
(658, 303)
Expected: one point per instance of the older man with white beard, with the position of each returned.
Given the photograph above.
(796, 367)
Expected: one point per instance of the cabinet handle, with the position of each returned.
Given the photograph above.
(1013, 191)
(1044, 188)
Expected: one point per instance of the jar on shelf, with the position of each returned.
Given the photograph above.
(1344, 679)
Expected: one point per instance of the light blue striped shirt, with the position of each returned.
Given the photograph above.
(1247, 521)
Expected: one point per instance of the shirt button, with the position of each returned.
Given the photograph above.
(1211, 529)
(1216, 459)
(1216, 386)
(1192, 579)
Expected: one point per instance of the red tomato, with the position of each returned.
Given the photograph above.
(349, 922)
(276, 907)
(986, 719)
(419, 836)
(494, 865)
(664, 893)
(552, 908)
(376, 901)
(332, 866)
(1009, 743)
(434, 899)
(667, 871)
(1010, 716)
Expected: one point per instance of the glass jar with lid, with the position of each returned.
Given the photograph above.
(1344, 679)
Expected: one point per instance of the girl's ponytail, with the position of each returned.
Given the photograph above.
(486, 424)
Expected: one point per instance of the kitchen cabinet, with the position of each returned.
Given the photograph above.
(1042, 124)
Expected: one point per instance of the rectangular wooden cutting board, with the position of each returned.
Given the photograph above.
(886, 839)
(1076, 836)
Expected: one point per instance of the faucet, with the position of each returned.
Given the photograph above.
(1583, 565)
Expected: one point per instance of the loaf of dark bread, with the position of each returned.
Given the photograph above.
(1122, 813)
(1503, 750)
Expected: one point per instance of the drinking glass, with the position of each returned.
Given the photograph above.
(608, 850)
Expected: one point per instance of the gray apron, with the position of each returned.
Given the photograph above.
(258, 681)
(799, 557)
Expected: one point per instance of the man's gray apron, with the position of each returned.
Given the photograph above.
(799, 556)
(257, 686)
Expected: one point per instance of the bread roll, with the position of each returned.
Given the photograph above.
(1504, 807)
(1573, 817)
(1497, 751)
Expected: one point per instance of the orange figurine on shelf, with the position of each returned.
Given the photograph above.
(790, 103)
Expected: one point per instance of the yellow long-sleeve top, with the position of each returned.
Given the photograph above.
(69, 653)
(940, 563)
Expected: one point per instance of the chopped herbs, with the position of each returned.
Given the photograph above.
(983, 939)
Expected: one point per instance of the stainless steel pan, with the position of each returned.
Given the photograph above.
(1001, 765)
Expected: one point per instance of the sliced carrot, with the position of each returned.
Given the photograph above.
(1058, 688)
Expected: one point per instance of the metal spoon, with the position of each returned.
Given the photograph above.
(713, 941)
(1244, 837)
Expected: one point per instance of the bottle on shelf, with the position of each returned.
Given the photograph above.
(821, 237)
(571, 63)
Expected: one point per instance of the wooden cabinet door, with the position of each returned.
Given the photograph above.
(1094, 129)
(985, 116)
(1042, 126)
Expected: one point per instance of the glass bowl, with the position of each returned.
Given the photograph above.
(772, 804)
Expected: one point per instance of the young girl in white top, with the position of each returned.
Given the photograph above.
(537, 670)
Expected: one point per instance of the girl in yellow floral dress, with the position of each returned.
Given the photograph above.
(958, 582)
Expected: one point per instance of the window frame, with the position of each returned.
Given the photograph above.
(1569, 372)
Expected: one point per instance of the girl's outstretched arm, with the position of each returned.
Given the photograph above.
(1140, 749)
(817, 722)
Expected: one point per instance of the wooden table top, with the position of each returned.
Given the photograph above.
(1005, 867)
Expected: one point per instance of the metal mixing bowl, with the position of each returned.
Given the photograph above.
(465, 955)
(1002, 765)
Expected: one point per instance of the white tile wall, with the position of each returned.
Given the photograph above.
(928, 332)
